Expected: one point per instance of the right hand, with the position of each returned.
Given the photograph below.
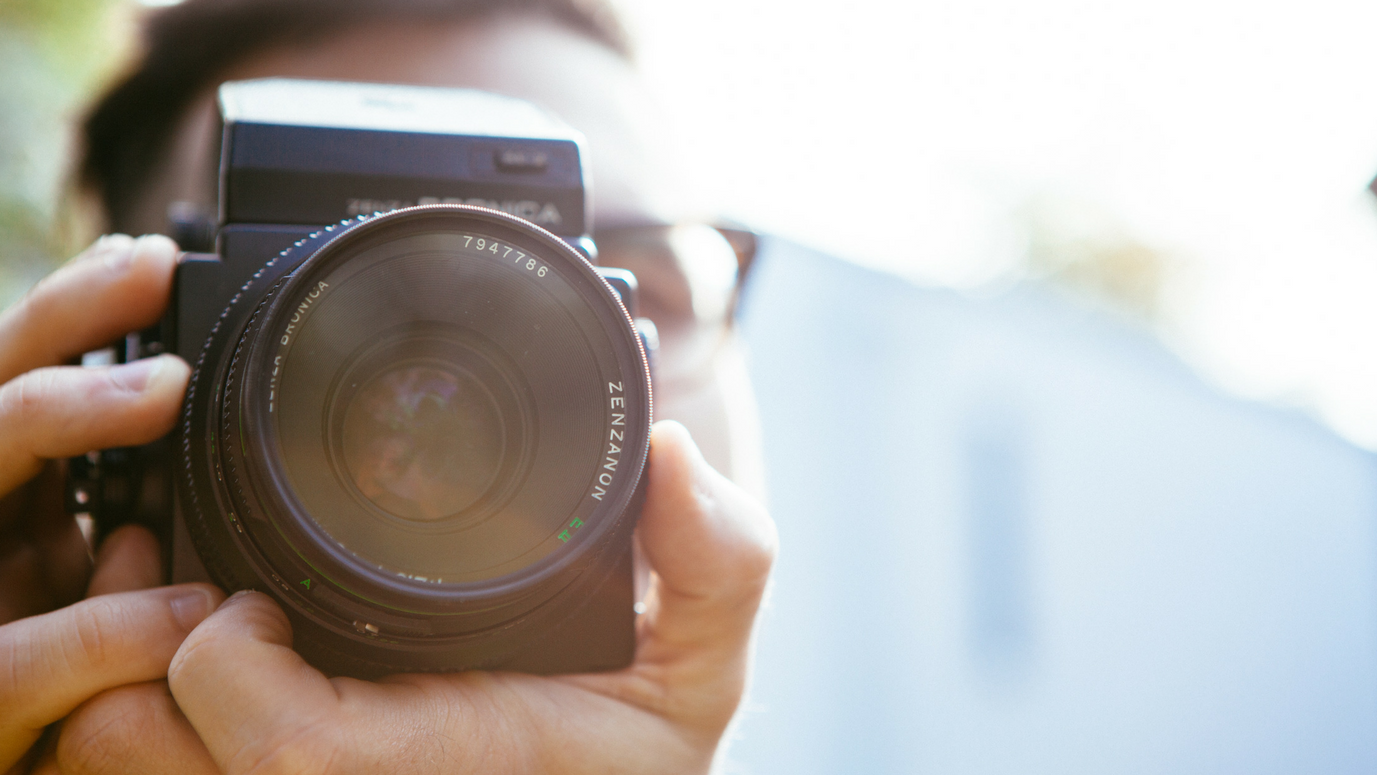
(252, 705)
(53, 660)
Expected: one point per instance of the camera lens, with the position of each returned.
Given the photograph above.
(422, 441)
(426, 427)
(427, 431)
(438, 411)
(437, 419)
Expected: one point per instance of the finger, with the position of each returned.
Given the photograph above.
(60, 411)
(47, 765)
(42, 757)
(239, 665)
(44, 563)
(118, 285)
(37, 578)
(711, 546)
(130, 558)
(136, 729)
(56, 661)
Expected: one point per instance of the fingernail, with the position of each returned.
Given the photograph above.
(135, 376)
(191, 608)
(240, 596)
(114, 249)
(120, 252)
(113, 241)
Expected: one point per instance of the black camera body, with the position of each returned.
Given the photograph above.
(418, 416)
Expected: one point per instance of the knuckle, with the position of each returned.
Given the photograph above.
(37, 304)
(108, 733)
(25, 399)
(309, 749)
(755, 541)
(14, 681)
(95, 625)
(195, 650)
(261, 613)
(762, 551)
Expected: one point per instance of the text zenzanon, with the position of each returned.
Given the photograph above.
(615, 437)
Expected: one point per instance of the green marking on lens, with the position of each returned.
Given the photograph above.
(306, 583)
(565, 534)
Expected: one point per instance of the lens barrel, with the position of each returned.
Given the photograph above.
(424, 434)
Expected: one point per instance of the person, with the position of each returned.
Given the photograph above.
(149, 678)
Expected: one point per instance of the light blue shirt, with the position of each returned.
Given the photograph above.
(1017, 536)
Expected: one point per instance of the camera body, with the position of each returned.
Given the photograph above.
(418, 416)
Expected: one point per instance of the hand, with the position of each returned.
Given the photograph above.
(252, 705)
(117, 636)
(51, 662)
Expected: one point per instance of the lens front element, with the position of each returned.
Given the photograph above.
(430, 424)
(422, 441)
(440, 414)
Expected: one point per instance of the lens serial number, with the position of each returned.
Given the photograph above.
(506, 252)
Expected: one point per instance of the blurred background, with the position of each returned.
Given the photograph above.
(1019, 535)
(1203, 163)
(1201, 166)
(55, 56)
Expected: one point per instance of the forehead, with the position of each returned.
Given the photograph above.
(578, 79)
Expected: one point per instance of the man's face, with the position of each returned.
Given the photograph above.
(634, 180)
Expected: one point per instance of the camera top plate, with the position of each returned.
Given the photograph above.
(313, 152)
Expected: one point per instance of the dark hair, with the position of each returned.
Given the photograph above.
(187, 46)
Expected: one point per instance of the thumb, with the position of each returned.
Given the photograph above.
(711, 546)
(243, 688)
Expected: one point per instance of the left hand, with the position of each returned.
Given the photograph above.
(53, 660)
(253, 706)
(49, 411)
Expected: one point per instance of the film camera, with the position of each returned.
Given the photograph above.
(418, 415)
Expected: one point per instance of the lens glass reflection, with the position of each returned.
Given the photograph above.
(423, 442)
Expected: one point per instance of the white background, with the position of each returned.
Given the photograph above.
(1236, 139)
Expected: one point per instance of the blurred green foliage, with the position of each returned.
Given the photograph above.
(54, 55)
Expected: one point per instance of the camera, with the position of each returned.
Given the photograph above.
(419, 414)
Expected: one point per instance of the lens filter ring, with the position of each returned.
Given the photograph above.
(442, 436)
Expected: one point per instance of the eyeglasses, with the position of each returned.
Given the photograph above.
(690, 278)
(689, 266)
